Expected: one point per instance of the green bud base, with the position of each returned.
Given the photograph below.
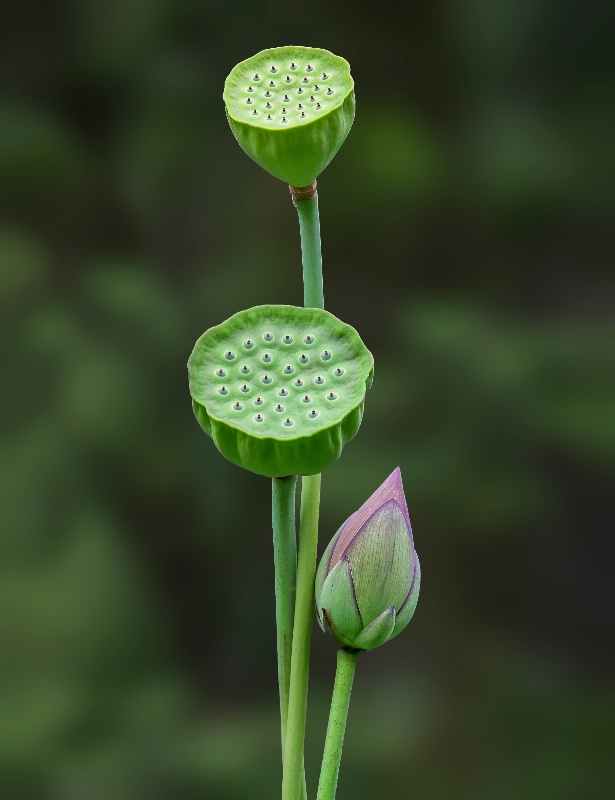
(290, 109)
(280, 389)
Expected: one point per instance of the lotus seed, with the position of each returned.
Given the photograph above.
(245, 369)
(299, 107)
(223, 390)
(319, 380)
(230, 355)
(339, 371)
(249, 101)
(309, 68)
(259, 418)
(283, 111)
(326, 355)
(221, 373)
(299, 90)
(250, 89)
(288, 422)
(279, 407)
(268, 105)
(299, 382)
(312, 98)
(268, 337)
(273, 69)
(258, 401)
(271, 85)
(331, 396)
(288, 79)
(286, 98)
(288, 370)
(283, 392)
(313, 413)
(306, 80)
(269, 116)
(309, 339)
(248, 344)
(245, 388)
(237, 406)
(318, 106)
(324, 76)
(292, 66)
(266, 358)
(256, 78)
(255, 113)
(306, 399)
(303, 358)
(268, 93)
(283, 119)
(266, 379)
(316, 87)
(329, 91)
(288, 339)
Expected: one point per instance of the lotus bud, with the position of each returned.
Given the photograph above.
(367, 584)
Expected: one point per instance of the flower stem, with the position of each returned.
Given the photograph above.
(285, 561)
(344, 675)
(304, 609)
(305, 199)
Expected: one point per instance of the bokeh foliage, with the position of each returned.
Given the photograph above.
(465, 236)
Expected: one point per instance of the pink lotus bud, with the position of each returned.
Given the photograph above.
(367, 584)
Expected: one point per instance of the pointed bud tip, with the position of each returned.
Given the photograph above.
(391, 489)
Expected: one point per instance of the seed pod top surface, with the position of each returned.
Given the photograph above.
(280, 389)
(290, 109)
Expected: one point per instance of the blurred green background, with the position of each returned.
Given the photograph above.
(465, 230)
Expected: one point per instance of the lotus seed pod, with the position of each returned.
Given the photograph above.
(280, 389)
(367, 584)
(290, 109)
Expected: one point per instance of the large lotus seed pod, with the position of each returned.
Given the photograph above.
(280, 389)
(290, 109)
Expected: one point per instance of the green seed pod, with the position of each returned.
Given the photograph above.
(368, 581)
(290, 109)
(280, 389)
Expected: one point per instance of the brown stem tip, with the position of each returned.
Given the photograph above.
(302, 193)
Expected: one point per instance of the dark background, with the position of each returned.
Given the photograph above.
(464, 228)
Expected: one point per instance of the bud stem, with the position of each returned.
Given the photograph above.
(304, 612)
(344, 676)
(285, 561)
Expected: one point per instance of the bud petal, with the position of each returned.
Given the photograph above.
(321, 575)
(377, 632)
(337, 599)
(380, 556)
(406, 612)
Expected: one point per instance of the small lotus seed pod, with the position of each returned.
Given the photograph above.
(367, 584)
(288, 138)
(283, 436)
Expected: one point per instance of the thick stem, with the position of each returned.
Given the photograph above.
(305, 199)
(285, 561)
(344, 675)
(304, 609)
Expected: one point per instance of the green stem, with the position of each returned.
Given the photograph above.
(344, 675)
(285, 561)
(305, 200)
(304, 609)
(306, 203)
